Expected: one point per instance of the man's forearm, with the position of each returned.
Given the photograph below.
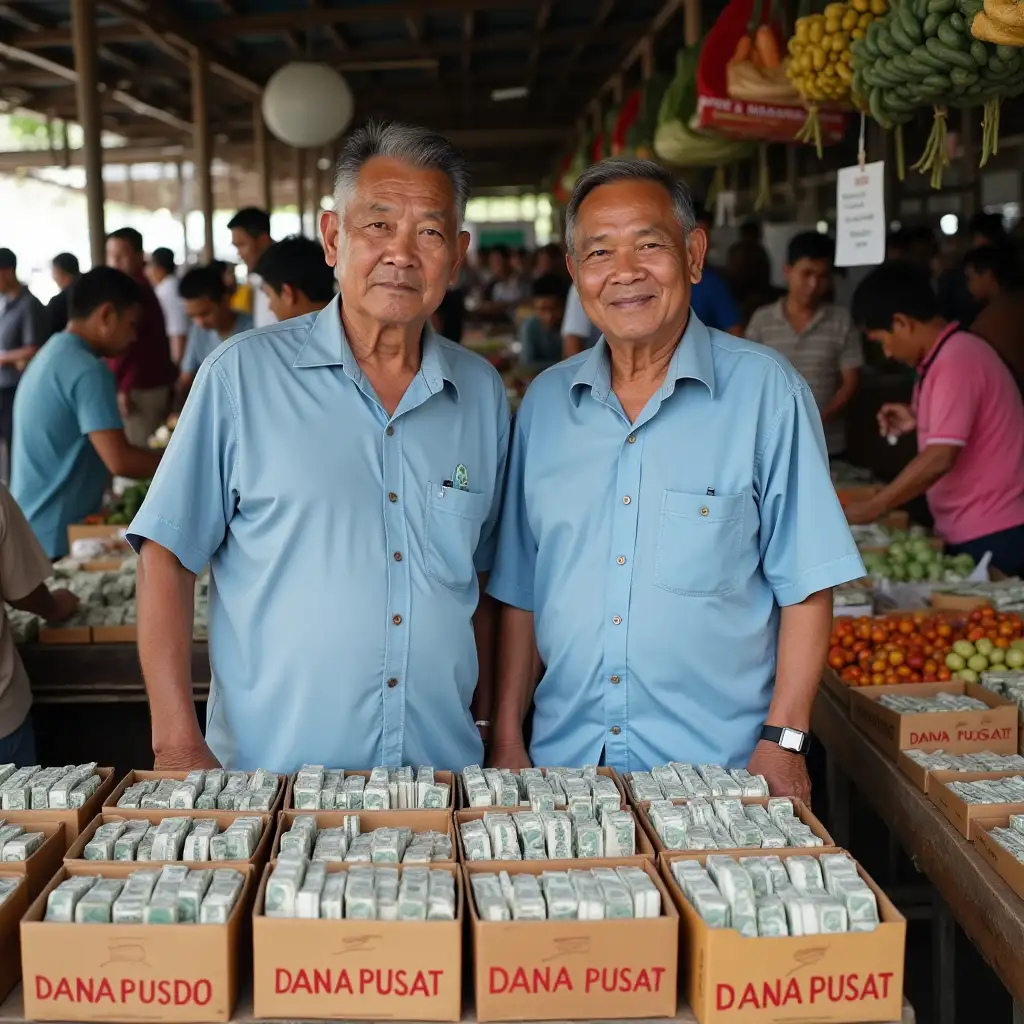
(18, 355)
(840, 400)
(485, 629)
(804, 630)
(933, 463)
(40, 602)
(166, 606)
(517, 674)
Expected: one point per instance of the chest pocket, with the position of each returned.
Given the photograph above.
(452, 532)
(698, 543)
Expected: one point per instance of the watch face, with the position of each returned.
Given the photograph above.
(791, 739)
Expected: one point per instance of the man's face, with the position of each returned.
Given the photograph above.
(8, 279)
(634, 266)
(121, 256)
(249, 249)
(115, 331)
(398, 246)
(809, 280)
(981, 284)
(548, 309)
(497, 264)
(205, 313)
(283, 304)
(900, 342)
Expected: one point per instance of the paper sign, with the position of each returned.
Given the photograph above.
(860, 215)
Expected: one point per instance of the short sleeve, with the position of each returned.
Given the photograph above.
(806, 545)
(94, 396)
(175, 315)
(951, 401)
(851, 355)
(575, 321)
(516, 560)
(194, 494)
(192, 358)
(23, 563)
(483, 557)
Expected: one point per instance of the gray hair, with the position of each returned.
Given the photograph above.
(614, 169)
(409, 144)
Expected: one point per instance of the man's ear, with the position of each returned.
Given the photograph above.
(461, 248)
(330, 231)
(696, 250)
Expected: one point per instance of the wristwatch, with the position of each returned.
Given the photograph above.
(793, 740)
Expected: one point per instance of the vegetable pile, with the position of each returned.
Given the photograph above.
(914, 558)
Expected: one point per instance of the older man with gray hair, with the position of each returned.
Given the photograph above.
(341, 474)
(670, 534)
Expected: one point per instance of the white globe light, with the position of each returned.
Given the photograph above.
(307, 105)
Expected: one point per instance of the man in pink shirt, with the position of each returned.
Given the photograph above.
(968, 415)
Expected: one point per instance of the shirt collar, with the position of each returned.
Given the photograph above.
(327, 345)
(692, 360)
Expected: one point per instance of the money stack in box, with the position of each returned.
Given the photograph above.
(37, 797)
(14, 900)
(316, 788)
(542, 789)
(216, 790)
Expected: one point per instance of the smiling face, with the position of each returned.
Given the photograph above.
(398, 246)
(634, 266)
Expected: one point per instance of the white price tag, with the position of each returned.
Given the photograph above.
(860, 215)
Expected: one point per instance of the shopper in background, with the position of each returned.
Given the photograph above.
(816, 336)
(65, 272)
(540, 335)
(68, 433)
(955, 299)
(968, 415)
(675, 475)
(296, 278)
(505, 288)
(250, 235)
(162, 274)
(24, 570)
(710, 297)
(144, 371)
(748, 272)
(578, 333)
(341, 475)
(22, 331)
(994, 281)
(208, 307)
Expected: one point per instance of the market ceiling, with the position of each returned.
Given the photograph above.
(435, 62)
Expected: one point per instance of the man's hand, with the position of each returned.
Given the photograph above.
(186, 759)
(786, 772)
(124, 404)
(65, 604)
(510, 755)
(895, 420)
(858, 513)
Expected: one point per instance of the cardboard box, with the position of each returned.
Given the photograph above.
(114, 634)
(922, 777)
(96, 531)
(855, 976)
(1009, 869)
(418, 821)
(12, 910)
(571, 970)
(131, 972)
(963, 816)
(45, 862)
(831, 681)
(73, 821)
(439, 776)
(607, 772)
(223, 819)
(110, 803)
(803, 812)
(65, 634)
(358, 970)
(958, 732)
(644, 849)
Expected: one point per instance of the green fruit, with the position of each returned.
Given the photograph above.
(997, 656)
(965, 648)
(984, 646)
(979, 663)
(1017, 645)
(968, 676)
(1015, 658)
(955, 662)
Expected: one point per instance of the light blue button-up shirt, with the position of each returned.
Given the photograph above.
(655, 555)
(343, 570)
(204, 340)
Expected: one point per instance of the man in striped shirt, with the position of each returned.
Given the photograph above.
(816, 336)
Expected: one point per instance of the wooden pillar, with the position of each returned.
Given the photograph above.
(691, 22)
(83, 31)
(202, 149)
(261, 157)
(300, 188)
(179, 172)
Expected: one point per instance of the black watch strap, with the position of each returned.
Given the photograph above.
(793, 740)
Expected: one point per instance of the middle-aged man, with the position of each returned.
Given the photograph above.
(295, 278)
(341, 473)
(250, 235)
(994, 281)
(968, 415)
(670, 532)
(145, 372)
(816, 336)
(162, 274)
(65, 272)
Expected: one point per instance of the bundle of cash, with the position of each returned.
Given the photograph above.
(7, 887)
(215, 790)
(548, 835)
(982, 761)
(581, 791)
(903, 705)
(39, 789)
(298, 888)
(1007, 683)
(603, 893)
(12, 837)
(1011, 839)
(176, 839)
(678, 781)
(771, 897)
(317, 788)
(990, 791)
(727, 823)
(348, 843)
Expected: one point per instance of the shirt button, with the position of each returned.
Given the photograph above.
(631, 439)
(392, 683)
(704, 511)
(390, 431)
(626, 499)
(617, 619)
(615, 730)
(397, 620)
(392, 497)
(615, 679)
(620, 560)
(398, 556)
